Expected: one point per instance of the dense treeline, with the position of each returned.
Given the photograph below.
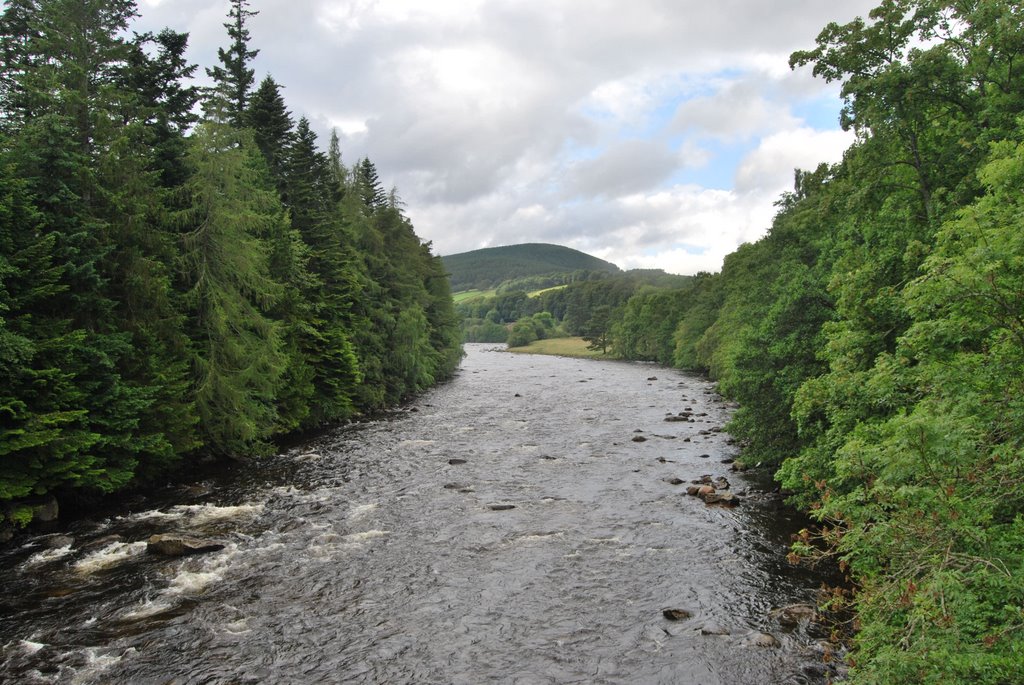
(875, 339)
(490, 267)
(580, 308)
(173, 284)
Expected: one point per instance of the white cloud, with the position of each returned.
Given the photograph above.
(770, 167)
(569, 121)
(740, 109)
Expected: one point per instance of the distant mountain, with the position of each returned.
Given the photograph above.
(491, 266)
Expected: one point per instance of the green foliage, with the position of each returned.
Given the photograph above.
(273, 129)
(482, 330)
(166, 290)
(522, 333)
(598, 329)
(233, 78)
(645, 328)
(20, 516)
(238, 360)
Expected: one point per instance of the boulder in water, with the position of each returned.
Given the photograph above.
(180, 545)
(725, 498)
(676, 614)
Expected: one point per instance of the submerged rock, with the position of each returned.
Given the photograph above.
(765, 640)
(58, 541)
(713, 628)
(180, 545)
(676, 614)
(795, 614)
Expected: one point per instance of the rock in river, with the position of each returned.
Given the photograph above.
(180, 545)
(676, 614)
(764, 640)
(725, 498)
(795, 614)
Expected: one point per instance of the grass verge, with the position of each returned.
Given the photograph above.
(464, 295)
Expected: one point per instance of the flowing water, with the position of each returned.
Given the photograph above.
(508, 527)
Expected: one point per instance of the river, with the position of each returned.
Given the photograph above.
(516, 525)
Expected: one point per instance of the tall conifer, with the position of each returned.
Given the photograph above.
(234, 77)
(237, 360)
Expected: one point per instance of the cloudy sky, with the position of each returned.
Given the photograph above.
(651, 133)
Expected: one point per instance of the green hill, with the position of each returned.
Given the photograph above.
(491, 266)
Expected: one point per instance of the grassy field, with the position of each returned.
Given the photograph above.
(538, 293)
(471, 294)
(562, 347)
(464, 295)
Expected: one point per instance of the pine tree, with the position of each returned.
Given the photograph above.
(45, 438)
(234, 77)
(85, 154)
(339, 174)
(368, 185)
(273, 129)
(237, 360)
(327, 342)
(18, 30)
(168, 104)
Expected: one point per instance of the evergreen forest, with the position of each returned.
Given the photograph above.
(874, 341)
(185, 273)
